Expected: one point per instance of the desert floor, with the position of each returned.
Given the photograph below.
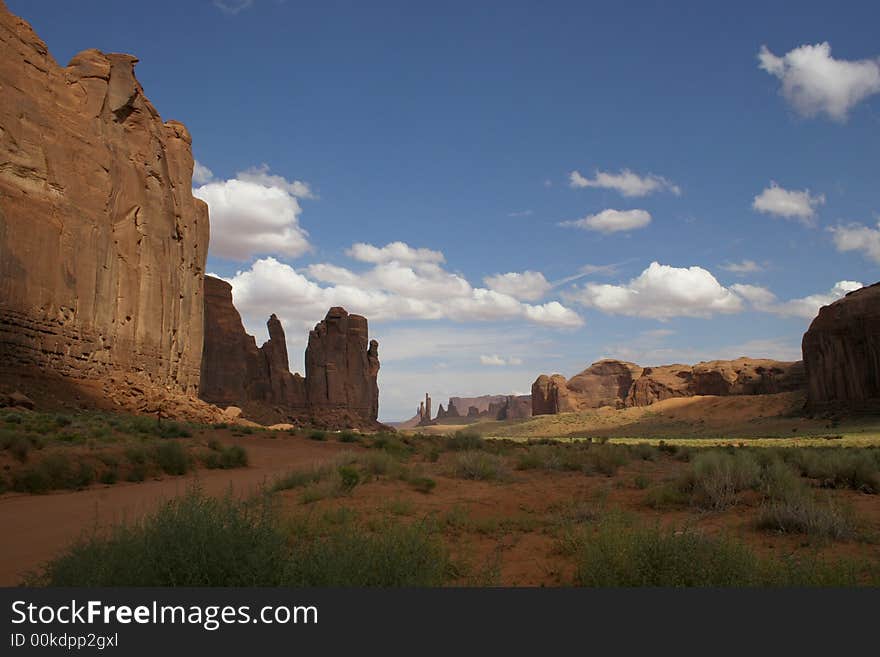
(510, 529)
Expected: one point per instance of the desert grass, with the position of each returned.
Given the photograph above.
(618, 552)
(197, 540)
(479, 466)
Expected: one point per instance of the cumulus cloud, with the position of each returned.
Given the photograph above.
(816, 83)
(255, 213)
(495, 360)
(261, 176)
(807, 307)
(789, 204)
(857, 237)
(527, 285)
(232, 7)
(744, 267)
(201, 173)
(389, 290)
(612, 221)
(394, 252)
(626, 182)
(661, 292)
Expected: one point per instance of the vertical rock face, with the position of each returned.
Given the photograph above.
(659, 383)
(842, 353)
(342, 366)
(102, 245)
(235, 372)
(231, 366)
(340, 388)
(550, 395)
(604, 383)
(515, 407)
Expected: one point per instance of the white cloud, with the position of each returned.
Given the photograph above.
(527, 286)
(232, 7)
(612, 221)
(790, 204)
(744, 267)
(759, 297)
(856, 237)
(521, 213)
(201, 173)
(626, 182)
(387, 291)
(661, 292)
(495, 360)
(261, 176)
(394, 252)
(815, 83)
(253, 214)
(807, 307)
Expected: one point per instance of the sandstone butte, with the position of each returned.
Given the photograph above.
(102, 259)
(621, 384)
(102, 245)
(342, 365)
(842, 354)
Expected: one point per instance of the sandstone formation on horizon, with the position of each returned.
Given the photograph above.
(842, 354)
(621, 384)
(102, 245)
(339, 389)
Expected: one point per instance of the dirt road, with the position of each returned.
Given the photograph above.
(36, 527)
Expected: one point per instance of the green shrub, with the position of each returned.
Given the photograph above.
(644, 451)
(718, 477)
(531, 459)
(480, 466)
(605, 459)
(318, 434)
(349, 437)
(300, 478)
(393, 554)
(620, 554)
(857, 469)
(109, 476)
(805, 515)
(33, 479)
(780, 481)
(349, 477)
(423, 484)
(380, 463)
(465, 440)
(12, 418)
(641, 482)
(669, 494)
(171, 458)
(225, 458)
(193, 540)
(392, 444)
(137, 472)
(19, 447)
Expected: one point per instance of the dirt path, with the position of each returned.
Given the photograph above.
(37, 527)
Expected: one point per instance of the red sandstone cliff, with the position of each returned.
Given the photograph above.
(619, 384)
(102, 245)
(340, 388)
(842, 354)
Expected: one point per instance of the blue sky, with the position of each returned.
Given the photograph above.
(472, 131)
